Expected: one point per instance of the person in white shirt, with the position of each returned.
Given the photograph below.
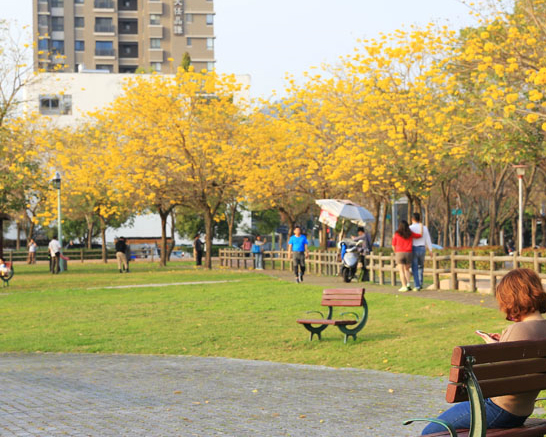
(419, 250)
(55, 253)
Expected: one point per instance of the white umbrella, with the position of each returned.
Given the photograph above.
(345, 209)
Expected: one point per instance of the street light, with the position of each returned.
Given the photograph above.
(56, 182)
(520, 171)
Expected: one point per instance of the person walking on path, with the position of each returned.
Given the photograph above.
(55, 253)
(364, 249)
(127, 253)
(198, 250)
(401, 244)
(32, 246)
(120, 255)
(298, 251)
(258, 251)
(522, 299)
(418, 250)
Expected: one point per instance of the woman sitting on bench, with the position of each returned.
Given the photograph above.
(521, 297)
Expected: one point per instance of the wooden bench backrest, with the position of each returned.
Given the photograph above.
(501, 368)
(343, 297)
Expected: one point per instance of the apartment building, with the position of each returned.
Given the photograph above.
(121, 36)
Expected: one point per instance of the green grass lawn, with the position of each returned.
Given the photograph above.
(253, 316)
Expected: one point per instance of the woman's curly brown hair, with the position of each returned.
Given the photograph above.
(519, 293)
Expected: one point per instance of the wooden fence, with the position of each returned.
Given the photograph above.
(454, 271)
(79, 255)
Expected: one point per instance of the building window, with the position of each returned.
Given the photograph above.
(43, 44)
(155, 19)
(43, 1)
(210, 43)
(127, 5)
(43, 20)
(57, 46)
(104, 25)
(104, 4)
(57, 3)
(104, 48)
(189, 18)
(127, 68)
(155, 43)
(107, 67)
(79, 2)
(189, 42)
(128, 50)
(210, 66)
(210, 19)
(156, 66)
(57, 24)
(56, 104)
(79, 46)
(79, 22)
(128, 27)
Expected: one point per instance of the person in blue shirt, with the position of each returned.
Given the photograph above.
(298, 251)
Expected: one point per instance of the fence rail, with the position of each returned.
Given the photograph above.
(463, 271)
(79, 255)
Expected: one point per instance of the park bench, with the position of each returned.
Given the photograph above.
(489, 370)
(7, 276)
(350, 297)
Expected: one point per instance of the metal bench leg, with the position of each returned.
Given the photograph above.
(313, 333)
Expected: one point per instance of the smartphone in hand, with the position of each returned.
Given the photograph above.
(489, 338)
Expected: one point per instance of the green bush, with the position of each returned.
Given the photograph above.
(530, 252)
(478, 251)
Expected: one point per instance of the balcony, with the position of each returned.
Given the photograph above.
(128, 27)
(105, 28)
(104, 4)
(156, 31)
(57, 3)
(128, 50)
(155, 8)
(105, 52)
(156, 55)
(127, 5)
(43, 8)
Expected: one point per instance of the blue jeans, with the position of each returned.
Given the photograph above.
(258, 260)
(418, 264)
(459, 417)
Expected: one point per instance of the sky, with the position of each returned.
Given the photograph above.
(267, 39)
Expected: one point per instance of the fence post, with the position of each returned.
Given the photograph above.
(435, 273)
(471, 271)
(381, 271)
(393, 270)
(493, 276)
(453, 284)
(11, 257)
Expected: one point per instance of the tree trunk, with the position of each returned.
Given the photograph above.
(231, 222)
(323, 236)
(543, 229)
(30, 230)
(377, 213)
(102, 222)
(173, 229)
(90, 226)
(163, 258)
(383, 235)
(410, 208)
(446, 191)
(208, 238)
(534, 232)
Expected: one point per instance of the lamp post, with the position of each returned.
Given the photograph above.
(520, 171)
(56, 182)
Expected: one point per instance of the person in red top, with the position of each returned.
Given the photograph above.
(402, 246)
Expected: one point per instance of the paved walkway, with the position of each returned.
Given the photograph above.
(465, 297)
(131, 395)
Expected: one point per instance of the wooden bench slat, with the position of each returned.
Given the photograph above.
(532, 428)
(341, 303)
(506, 351)
(500, 370)
(349, 291)
(499, 387)
(327, 322)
